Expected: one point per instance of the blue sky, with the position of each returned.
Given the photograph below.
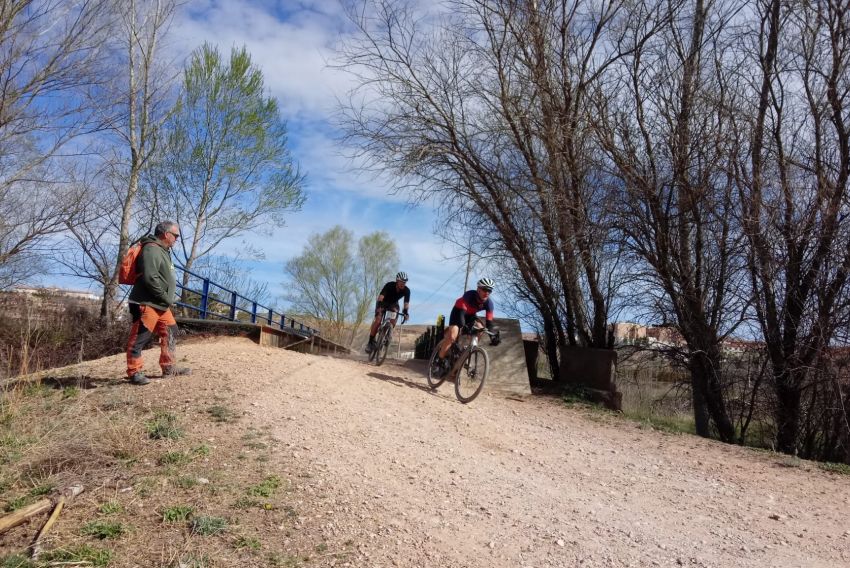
(293, 42)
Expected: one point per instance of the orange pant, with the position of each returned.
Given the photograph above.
(146, 322)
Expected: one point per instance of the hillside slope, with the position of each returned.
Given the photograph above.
(380, 471)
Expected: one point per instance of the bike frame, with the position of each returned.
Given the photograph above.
(459, 356)
(457, 351)
(385, 319)
(385, 333)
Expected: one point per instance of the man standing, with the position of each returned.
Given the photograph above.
(389, 297)
(150, 304)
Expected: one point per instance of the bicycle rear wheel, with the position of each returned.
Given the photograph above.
(472, 372)
(436, 374)
(382, 344)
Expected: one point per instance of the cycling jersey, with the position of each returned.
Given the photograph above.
(392, 295)
(471, 303)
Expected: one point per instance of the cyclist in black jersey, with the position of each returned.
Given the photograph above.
(389, 298)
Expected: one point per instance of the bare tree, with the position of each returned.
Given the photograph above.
(49, 51)
(487, 110)
(145, 101)
(793, 182)
(663, 124)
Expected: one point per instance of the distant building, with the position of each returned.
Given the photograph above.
(735, 346)
(628, 333)
(58, 292)
(36, 304)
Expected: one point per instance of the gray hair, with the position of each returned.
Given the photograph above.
(163, 227)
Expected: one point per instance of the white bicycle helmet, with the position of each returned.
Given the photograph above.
(401, 276)
(487, 284)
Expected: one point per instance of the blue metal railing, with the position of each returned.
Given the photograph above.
(212, 306)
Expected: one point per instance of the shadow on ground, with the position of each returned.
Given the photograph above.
(399, 381)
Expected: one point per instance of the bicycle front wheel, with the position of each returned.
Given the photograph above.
(374, 350)
(472, 373)
(436, 374)
(382, 344)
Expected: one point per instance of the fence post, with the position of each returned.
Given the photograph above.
(282, 321)
(253, 312)
(233, 306)
(204, 297)
(271, 316)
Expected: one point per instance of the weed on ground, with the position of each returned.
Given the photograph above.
(164, 426)
(207, 526)
(839, 468)
(135, 455)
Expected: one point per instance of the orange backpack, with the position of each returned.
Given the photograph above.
(127, 274)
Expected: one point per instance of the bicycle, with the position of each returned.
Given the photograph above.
(468, 364)
(384, 337)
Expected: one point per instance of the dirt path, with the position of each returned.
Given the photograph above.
(417, 479)
(397, 475)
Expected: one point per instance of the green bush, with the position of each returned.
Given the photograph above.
(111, 508)
(265, 488)
(79, 555)
(174, 458)
(176, 514)
(103, 529)
(221, 413)
(163, 426)
(207, 526)
(16, 561)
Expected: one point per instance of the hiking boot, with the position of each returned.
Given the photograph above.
(370, 346)
(139, 379)
(176, 371)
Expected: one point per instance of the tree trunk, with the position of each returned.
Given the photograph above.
(702, 420)
(551, 341)
(107, 304)
(704, 367)
(787, 415)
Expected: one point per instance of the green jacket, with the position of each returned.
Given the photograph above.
(156, 284)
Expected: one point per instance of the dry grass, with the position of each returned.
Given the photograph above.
(150, 498)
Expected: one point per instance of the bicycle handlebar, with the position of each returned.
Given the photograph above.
(397, 313)
(470, 328)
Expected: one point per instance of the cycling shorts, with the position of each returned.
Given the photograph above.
(457, 317)
(392, 307)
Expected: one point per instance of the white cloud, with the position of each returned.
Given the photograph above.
(293, 53)
(293, 42)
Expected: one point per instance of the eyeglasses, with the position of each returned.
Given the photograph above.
(175, 235)
(488, 290)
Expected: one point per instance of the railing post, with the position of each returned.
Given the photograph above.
(271, 316)
(233, 306)
(253, 312)
(282, 321)
(204, 298)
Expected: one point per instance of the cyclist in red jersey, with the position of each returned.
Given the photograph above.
(467, 306)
